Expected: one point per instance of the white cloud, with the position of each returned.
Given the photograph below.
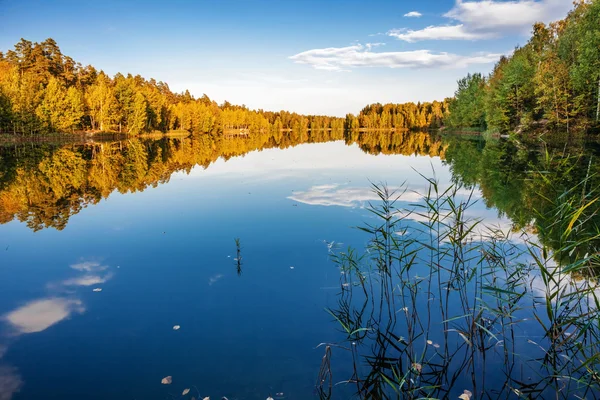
(450, 32)
(488, 19)
(506, 16)
(342, 58)
(413, 14)
(39, 315)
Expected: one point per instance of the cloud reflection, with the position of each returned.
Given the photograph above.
(39, 315)
(213, 279)
(338, 195)
(10, 382)
(87, 280)
(89, 266)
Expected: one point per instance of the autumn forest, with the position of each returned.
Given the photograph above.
(553, 80)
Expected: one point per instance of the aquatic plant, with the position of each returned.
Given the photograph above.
(238, 258)
(441, 306)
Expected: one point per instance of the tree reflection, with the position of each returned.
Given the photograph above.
(43, 185)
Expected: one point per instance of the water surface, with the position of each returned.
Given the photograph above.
(107, 246)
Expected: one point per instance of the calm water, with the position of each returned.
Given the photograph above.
(161, 249)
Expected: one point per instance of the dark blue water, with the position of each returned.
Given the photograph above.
(165, 257)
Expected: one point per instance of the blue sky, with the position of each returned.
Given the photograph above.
(310, 56)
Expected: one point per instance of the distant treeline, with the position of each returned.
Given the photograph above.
(42, 90)
(553, 80)
(400, 116)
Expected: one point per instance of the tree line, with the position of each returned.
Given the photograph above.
(409, 116)
(552, 81)
(43, 90)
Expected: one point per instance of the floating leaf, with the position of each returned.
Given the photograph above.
(429, 342)
(466, 395)
(185, 391)
(176, 327)
(167, 380)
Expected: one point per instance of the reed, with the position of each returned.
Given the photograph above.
(441, 306)
(238, 257)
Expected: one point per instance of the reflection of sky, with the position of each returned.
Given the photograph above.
(321, 159)
(10, 382)
(175, 248)
(39, 315)
(87, 280)
(344, 196)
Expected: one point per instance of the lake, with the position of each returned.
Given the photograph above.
(119, 265)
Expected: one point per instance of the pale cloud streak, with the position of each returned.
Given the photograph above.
(413, 14)
(488, 19)
(450, 32)
(343, 58)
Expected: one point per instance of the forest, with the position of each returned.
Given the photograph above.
(419, 116)
(553, 81)
(44, 91)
